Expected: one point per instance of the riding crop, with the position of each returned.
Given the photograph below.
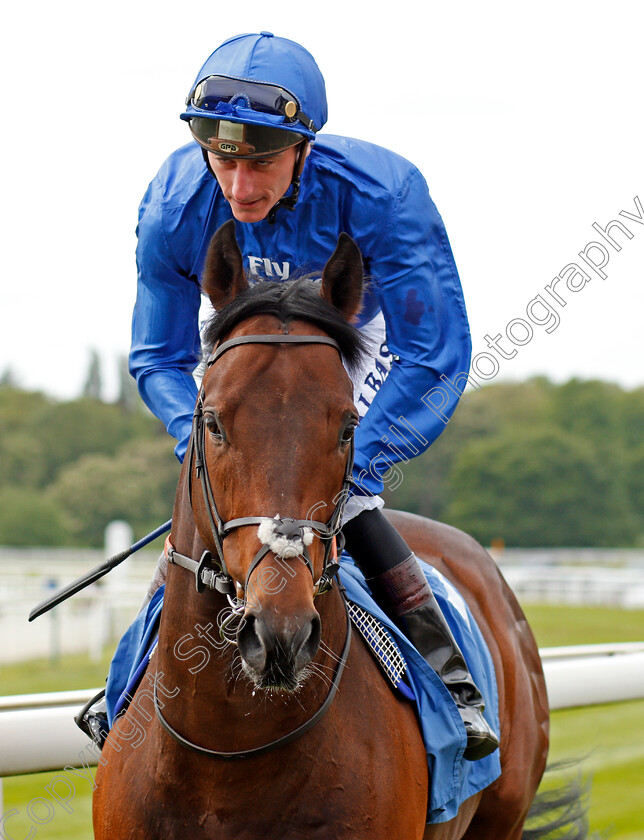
(96, 573)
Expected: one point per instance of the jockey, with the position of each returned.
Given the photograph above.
(254, 111)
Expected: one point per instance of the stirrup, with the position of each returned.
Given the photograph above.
(92, 719)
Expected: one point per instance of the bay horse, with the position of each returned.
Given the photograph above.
(250, 740)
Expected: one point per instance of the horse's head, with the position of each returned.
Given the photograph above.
(277, 429)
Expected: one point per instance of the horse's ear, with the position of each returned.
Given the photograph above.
(223, 275)
(342, 278)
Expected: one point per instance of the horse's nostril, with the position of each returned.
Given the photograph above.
(312, 642)
(305, 648)
(276, 652)
(250, 643)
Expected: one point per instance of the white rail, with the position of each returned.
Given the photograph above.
(600, 674)
(38, 733)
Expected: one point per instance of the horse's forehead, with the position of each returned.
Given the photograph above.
(260, 368)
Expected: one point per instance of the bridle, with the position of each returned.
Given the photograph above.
(213, 574)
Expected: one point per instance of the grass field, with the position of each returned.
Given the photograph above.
(609, 739)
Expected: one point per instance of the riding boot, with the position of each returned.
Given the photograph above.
(399, 586)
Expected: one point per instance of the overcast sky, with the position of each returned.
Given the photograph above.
(526, 120)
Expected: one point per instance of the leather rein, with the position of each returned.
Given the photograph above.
(212, 573)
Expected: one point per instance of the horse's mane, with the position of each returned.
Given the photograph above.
(292, 300)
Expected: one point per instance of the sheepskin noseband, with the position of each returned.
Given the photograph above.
(284, 537)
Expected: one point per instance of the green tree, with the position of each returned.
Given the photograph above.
(540, 487)
(632, 413)
(128, 397)
(138, 485)
(7, 378)
(590, 409)
(23, 460)
(18, 406)
(28, 517)
(480, 414)
(67, 431)
(93, 386)
(635, 486)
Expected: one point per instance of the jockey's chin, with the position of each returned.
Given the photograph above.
(252, 211)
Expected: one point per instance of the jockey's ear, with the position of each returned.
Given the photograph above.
(223, 275)
(342, 278)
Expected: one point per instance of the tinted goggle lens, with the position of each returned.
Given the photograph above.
(270, 99)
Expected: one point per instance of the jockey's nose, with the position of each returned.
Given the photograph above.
(276, 647)
(243, 185)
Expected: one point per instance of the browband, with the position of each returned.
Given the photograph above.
(271, 339)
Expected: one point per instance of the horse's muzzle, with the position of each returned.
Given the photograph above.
(276, 649)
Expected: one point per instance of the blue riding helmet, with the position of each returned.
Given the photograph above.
(256, 95)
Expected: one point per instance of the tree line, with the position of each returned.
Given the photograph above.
(537, 464)
(70, 468)
(530, 464)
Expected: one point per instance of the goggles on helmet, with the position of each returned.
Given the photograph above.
(241, 140)
(214, 91)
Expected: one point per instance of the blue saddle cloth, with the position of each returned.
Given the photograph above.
(452, 780)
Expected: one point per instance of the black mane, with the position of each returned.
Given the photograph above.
(289, 301)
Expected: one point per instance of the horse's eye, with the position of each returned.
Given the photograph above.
(213, 427)
(349, 432)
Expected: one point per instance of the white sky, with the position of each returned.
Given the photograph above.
(526, 120)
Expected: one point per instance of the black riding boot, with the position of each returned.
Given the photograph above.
(400, 587)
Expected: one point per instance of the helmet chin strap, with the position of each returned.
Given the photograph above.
(207, 162)
(288, 201)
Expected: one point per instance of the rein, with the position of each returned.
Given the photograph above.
(213, 574)
(284, 739)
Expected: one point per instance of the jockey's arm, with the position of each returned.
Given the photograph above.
(415, 279)
(165, 327)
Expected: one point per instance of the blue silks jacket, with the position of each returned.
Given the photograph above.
(379, 199)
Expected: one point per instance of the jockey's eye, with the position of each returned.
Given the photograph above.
(215, 430)
(349, 432)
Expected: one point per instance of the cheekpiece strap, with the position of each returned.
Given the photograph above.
(206, 575)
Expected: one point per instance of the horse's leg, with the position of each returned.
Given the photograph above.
(459, 826)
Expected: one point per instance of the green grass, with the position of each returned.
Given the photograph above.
(72, 672)
(41, 675)
(609, 739)
(20, 791)
(554, 626)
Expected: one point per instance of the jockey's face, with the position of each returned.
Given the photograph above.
(252, 187)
